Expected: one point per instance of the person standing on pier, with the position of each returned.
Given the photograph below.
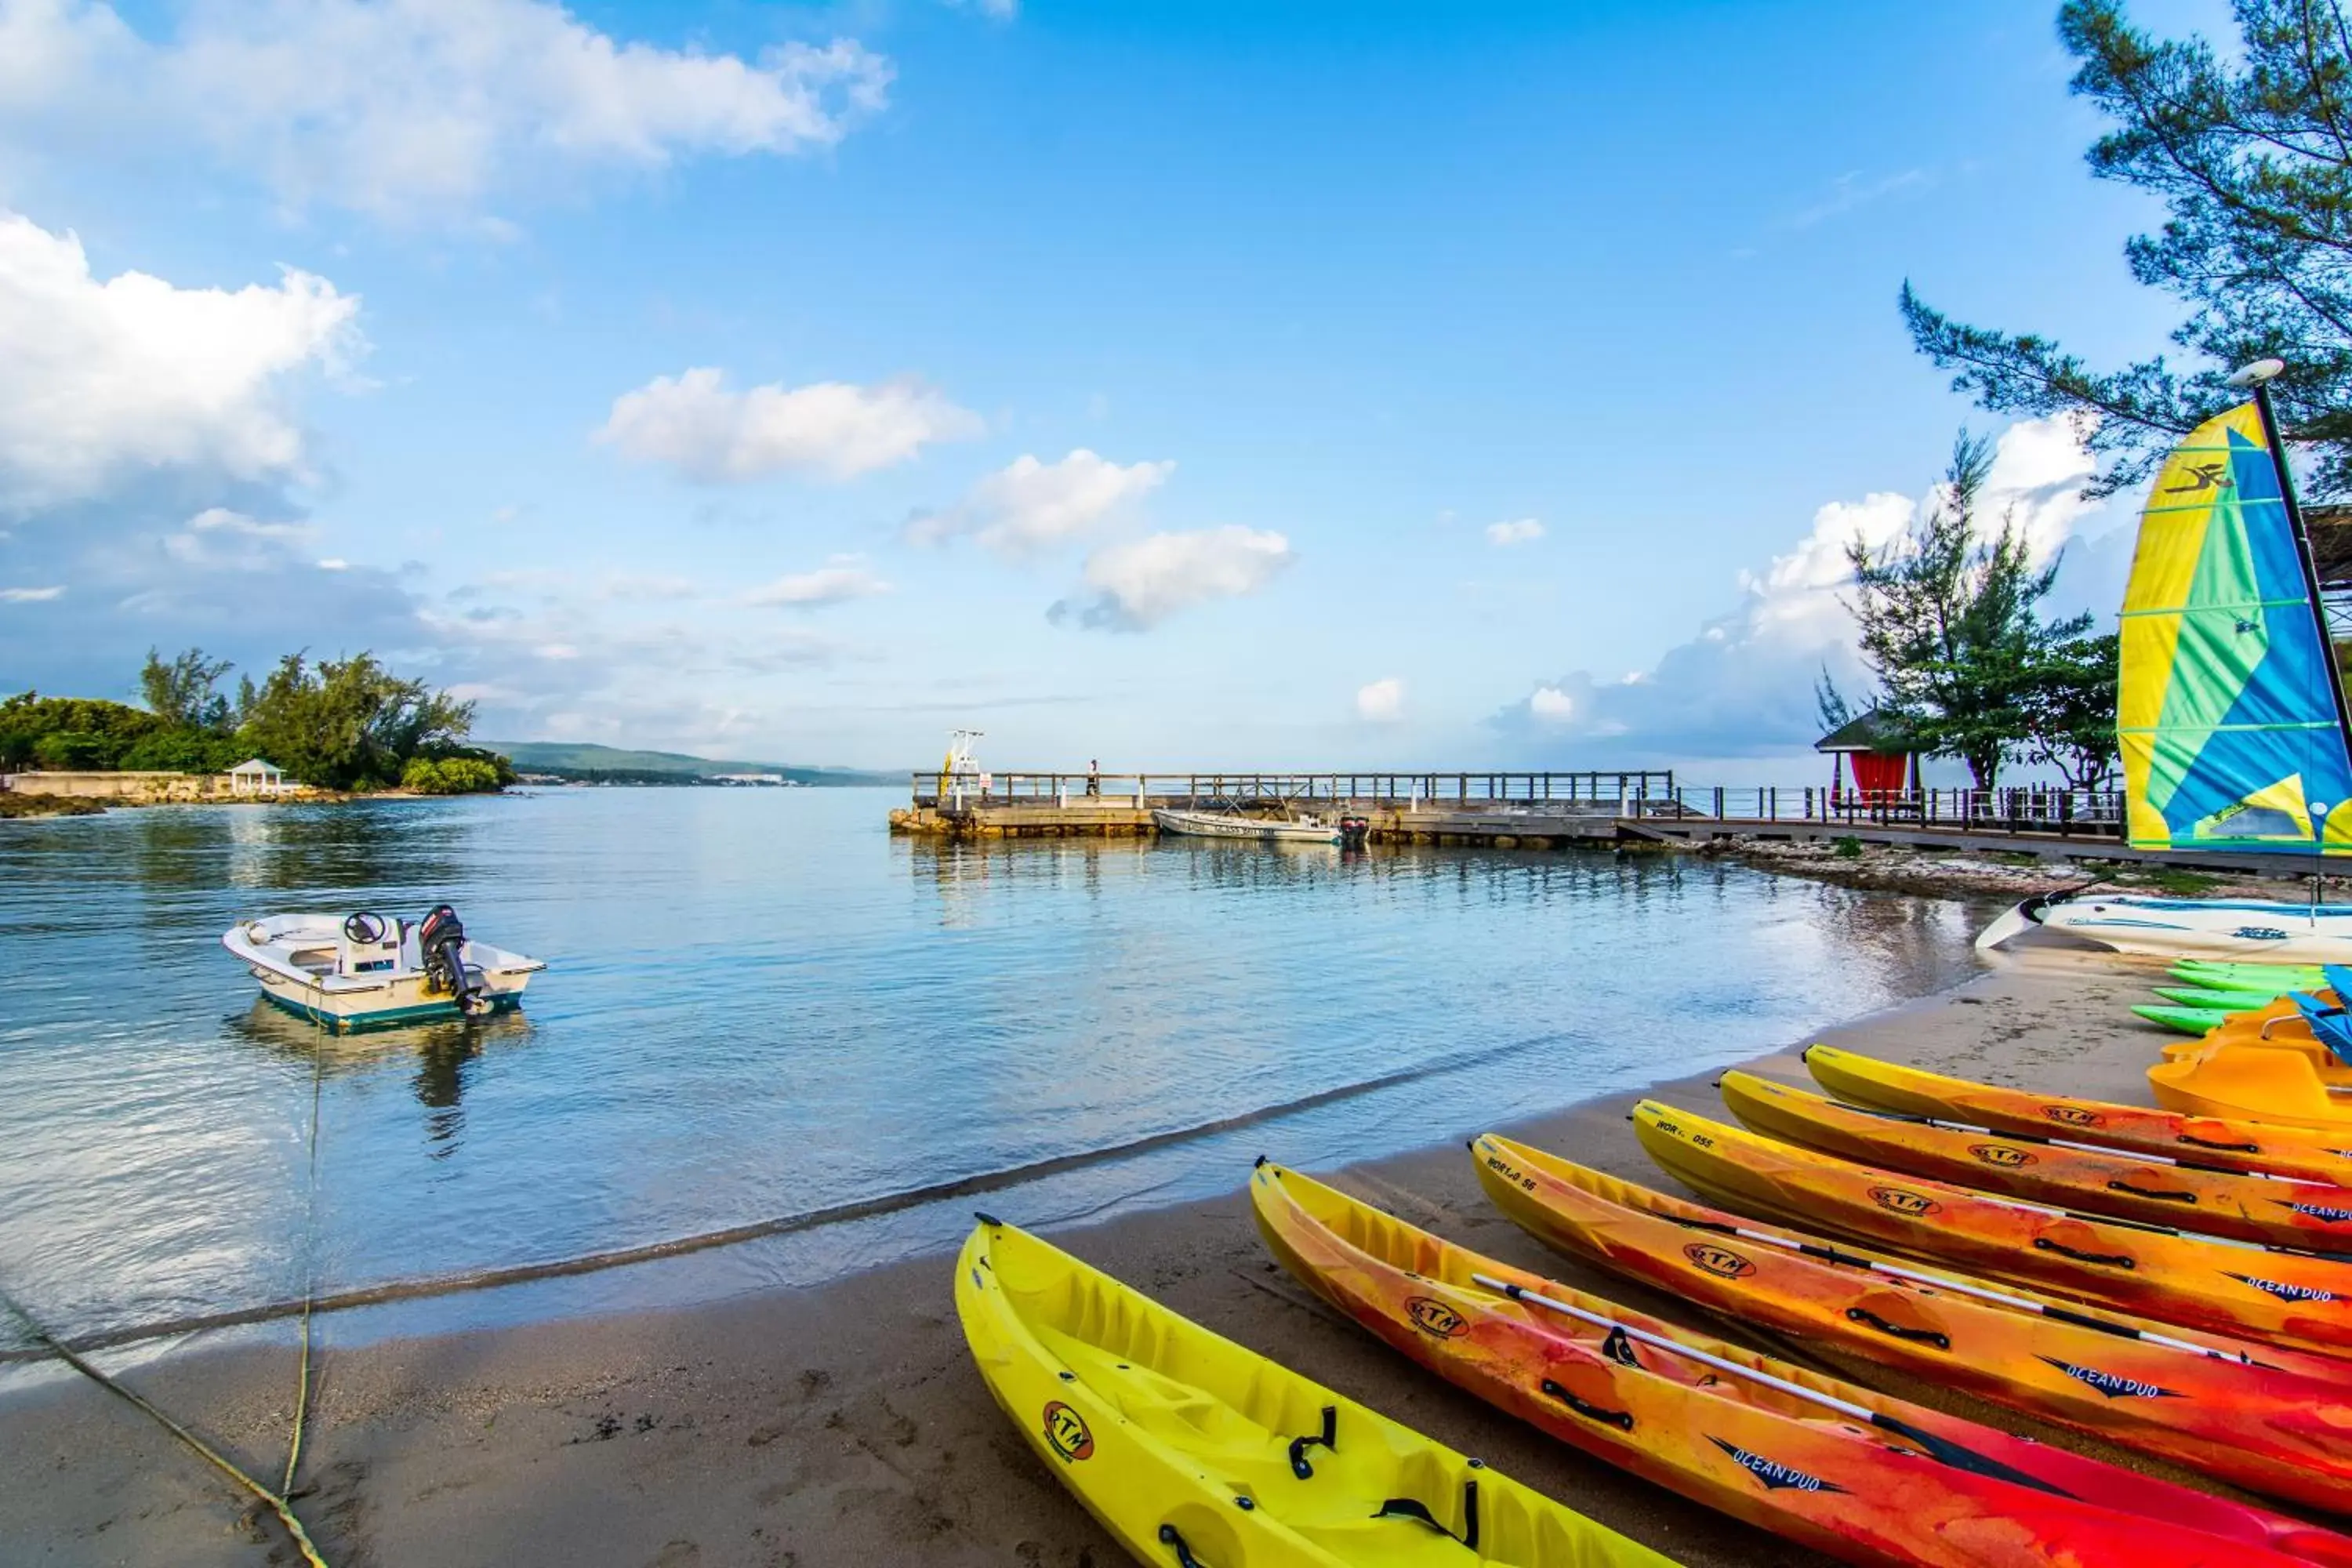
(1094, 778)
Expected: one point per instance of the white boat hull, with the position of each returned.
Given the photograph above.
(1212, 824)
(2245, 930)
(290, 956)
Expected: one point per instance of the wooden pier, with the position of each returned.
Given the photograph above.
(1537, 810)
(1599, 810)
(1506, 810)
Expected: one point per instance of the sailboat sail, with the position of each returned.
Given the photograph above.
(2229, 715)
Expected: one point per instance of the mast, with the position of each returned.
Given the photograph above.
(2258, 375)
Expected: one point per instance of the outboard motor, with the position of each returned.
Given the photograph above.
(441, 938)
(1355, 832)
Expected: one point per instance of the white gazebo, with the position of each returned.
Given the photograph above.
(254, 776)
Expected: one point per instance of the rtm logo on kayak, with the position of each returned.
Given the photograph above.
(2073, 1115)
(2320, 1212)
(1065, 1429)
(2114, 1387)
(1496, 1164)
(1914, 1205)
(1776, 1475)
(1719, 1260)
(1432, 1316)
(2285, 1291)
(2000, 1155)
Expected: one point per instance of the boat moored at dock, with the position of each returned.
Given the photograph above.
(1306, 829)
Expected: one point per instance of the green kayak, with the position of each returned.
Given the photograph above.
(2182, 1020)
(2272, 979)
(2218, 1001)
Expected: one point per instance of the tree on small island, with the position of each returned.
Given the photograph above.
(345, 724)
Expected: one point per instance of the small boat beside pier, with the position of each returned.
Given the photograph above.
(1304, 829)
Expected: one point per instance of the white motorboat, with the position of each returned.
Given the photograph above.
(363, 970)
(2241, 929)
(1302, 829)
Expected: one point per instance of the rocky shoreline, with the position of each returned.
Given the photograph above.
(1970, 874)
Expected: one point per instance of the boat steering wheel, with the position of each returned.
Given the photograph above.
(363, 928)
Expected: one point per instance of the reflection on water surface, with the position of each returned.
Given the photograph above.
(760, 1005)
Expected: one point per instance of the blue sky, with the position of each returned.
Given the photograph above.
(1181, 385)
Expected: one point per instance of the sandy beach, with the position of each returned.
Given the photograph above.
(846, 1425)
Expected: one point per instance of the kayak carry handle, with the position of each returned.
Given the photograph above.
(1298, 1446)
(1414, 1509)
(1621, 1419)
(2158, 1194)
(1170, 1536)
(2115, 1259)
(1936, 1337)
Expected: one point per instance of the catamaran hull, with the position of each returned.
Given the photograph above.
(1206, 825)
(2188, 928)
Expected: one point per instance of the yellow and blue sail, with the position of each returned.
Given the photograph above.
(2229, 715)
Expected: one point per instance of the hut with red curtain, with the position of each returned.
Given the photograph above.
(1878, 747)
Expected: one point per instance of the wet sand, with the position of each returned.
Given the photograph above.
(847, 1425)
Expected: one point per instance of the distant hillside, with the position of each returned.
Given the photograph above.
(611, 762)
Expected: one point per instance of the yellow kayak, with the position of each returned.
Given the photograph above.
(2209, 1140)
(1196, 1453)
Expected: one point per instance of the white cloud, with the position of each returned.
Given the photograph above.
(334, 563)
(840, 580)
(694, 424)
(1523, 530)
(1743, 685)
(230, 540)
(103, 381)
(30, 596)
(1380, 701)
(1029, 505)
(404, 108)
(1139, 584)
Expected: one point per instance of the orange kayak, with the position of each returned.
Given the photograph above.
(2315, 1217)
(2209, 1140)
(1826, 1463)
(2280, 1425)
(2234, 1287)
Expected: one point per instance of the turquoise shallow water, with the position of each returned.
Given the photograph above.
(760, 1005)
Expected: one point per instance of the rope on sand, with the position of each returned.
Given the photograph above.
(275, 1501)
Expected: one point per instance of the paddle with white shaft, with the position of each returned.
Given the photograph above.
(1825, 1254)
(1939, 1448)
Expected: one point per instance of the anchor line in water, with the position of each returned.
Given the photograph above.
(783, 1225)
(309, 1273)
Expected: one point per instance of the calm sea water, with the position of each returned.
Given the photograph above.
(760, 1005)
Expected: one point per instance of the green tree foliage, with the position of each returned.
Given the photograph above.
(2251, 152)
(183, 751)
(340, 724)
(349, 724)
(2070, 703)
(1950, 626)
(185, 692)
(90, 733)
(450, 775)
